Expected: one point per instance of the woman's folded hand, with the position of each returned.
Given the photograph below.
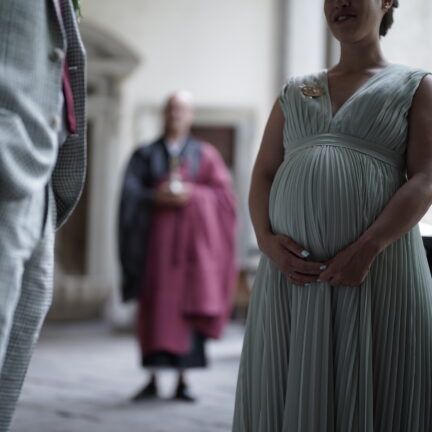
(290, 258)
(351, 265)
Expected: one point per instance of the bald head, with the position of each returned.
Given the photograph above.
(182, 96)
(178, 114)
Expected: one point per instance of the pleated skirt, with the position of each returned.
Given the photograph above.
(324, 358)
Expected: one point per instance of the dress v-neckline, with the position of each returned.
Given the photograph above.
(353, 95)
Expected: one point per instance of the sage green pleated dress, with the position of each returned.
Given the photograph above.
(325, 358)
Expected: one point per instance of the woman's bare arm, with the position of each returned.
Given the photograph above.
(406, 207)
(270, 157)
(413, 199)
(284, 252)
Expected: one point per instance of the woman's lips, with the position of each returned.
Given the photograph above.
(344, 20)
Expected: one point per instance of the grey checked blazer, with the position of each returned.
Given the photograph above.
(33, 39)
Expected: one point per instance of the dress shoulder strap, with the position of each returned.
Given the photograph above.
(290, 89)
(405, 82)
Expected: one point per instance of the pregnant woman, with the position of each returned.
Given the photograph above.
(339, 330)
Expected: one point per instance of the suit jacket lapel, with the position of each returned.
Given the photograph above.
(55, 3)
(58, 13)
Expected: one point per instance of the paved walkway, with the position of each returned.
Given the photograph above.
(82, 377)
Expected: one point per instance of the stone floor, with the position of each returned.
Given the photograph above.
(82, 377)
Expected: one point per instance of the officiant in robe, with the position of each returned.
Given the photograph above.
(177, 247)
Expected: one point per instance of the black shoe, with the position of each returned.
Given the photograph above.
(183, 393)
(148, 392)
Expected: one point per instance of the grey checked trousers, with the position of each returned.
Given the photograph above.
(26, 271)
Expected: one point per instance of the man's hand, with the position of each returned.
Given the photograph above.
(351, 265)
(289, 257)
(165, 198)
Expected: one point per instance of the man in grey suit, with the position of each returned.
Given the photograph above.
(42, 165)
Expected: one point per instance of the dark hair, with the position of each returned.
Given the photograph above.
(387, 20)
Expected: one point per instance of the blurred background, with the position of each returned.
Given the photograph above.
(233, 56)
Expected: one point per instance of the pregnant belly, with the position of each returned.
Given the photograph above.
(325, 197)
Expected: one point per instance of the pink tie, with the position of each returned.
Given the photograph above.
(68, 96)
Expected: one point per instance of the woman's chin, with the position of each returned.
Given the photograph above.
(346, 37)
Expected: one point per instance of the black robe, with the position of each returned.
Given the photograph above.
(147, 166)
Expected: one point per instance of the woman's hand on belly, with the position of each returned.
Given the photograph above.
(351, 265)
(289, 258)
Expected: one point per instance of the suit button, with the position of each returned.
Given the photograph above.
(57, 55)
(55, 123)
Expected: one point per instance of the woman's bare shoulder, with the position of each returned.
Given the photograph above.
(424, 91)
(421, 105)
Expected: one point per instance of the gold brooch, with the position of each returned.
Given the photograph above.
(311, 91)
